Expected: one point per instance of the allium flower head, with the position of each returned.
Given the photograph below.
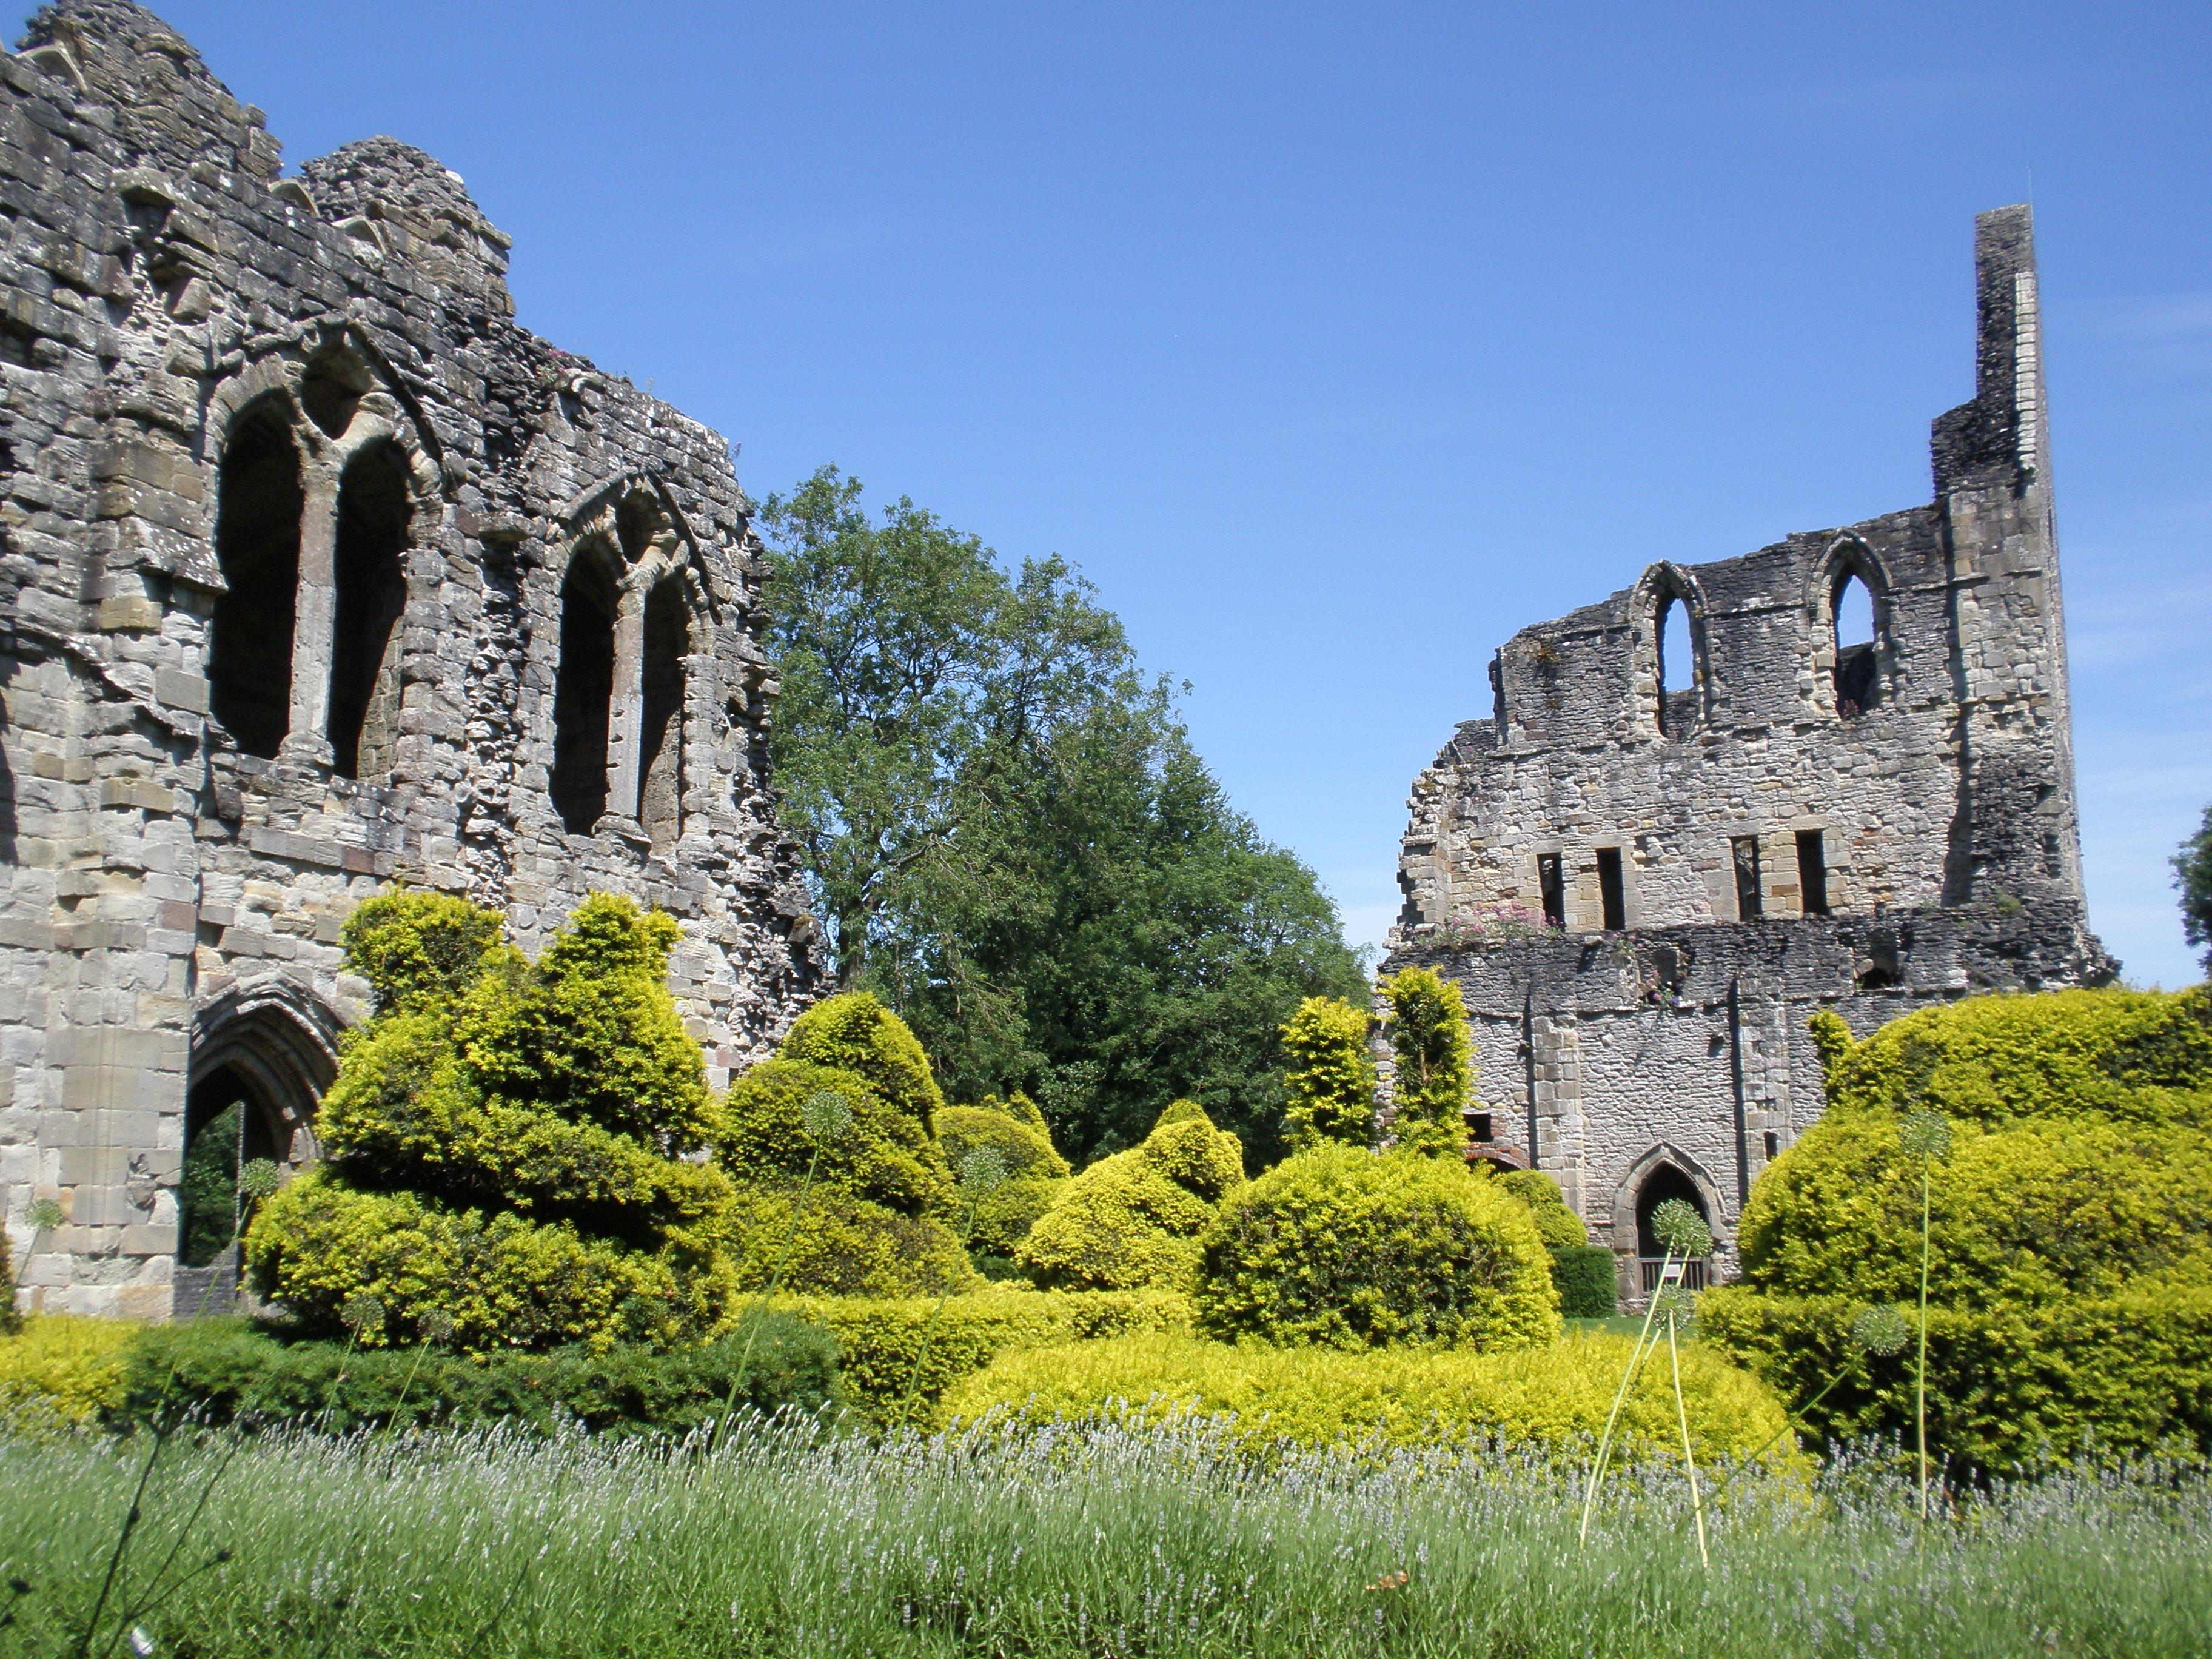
(1925, 1135)
(436, 1325)
(1881, 1331)
(1681, 1228)
(45, 1212)
(827, 1115)
(1676, 1304)
(363, 1313)
(258, 1176)
(982, 1172)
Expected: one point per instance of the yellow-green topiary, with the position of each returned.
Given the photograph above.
(1132, 1221)
(1328, 1091)
(1352, 1250)
(1559, 1226)
(855, 1033)
(63, 1369)
(1553, 1397)
(1434, 1076)
(1036, 1172)
(882, 1340)
(516, 1150)
(2073, 1183)
(878, 1219)
(884, 1157)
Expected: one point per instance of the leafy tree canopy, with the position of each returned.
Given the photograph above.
(1011, 841)
(2192, 874)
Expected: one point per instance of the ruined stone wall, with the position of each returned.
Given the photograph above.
(1644, 895)
(318, 572)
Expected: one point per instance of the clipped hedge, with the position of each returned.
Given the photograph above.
(844, 1246)
(1555, 1397)
(884, 1156)
(1587, 1279)
(882, 1339)
(1133, 1221)
(1328, 1091)
(1557, 1226)
(1036, 1172)
(2009, 1389)
(63, 1368)
(229, 1370)
(1339, 1246)
(857, 1034)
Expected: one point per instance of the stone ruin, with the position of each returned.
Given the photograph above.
(1645, 875)
(319, 573)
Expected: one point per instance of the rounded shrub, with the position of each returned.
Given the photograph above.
(855, 1033)
(1347, 1249)
(1035, 1170)
(1554, 1397)
(1133, 1221)
(843, 1245)
(884, 1156)
(516, 1150)
(1559, 1226)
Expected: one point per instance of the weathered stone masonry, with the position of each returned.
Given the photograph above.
(1645, 882)
(318, 572)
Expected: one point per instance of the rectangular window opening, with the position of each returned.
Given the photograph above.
(1773, 1145)
(1611, 894)
(1553, 889)
(1812, 871)
(1745, 848)
(1478, 1125)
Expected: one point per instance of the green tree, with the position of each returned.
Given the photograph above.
(1435, 1061)
(1011, 840)
(2192, 874)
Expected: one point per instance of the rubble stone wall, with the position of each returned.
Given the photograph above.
(319, 573)
(1645, 884)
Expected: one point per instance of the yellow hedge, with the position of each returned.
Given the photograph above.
(882, 1338)
(1133, 1221)
(64, 1366)
(1554, 1397)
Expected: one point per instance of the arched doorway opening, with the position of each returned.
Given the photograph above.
(262, 1056)
(1667, 1182)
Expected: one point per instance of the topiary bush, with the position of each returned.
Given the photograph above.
(2011, 1389)
(1559, 1226)
(857, 1034)
(1553, 1397)
(1435, 1055)
(63, 1370)
(1036, 1172)
(2076, 1182)
(877, 1221)
(514, 1147)
(231, 1371)
(1586, 1279)
(1328, 1091)
(1132, 1221)
(882, 1340)
(1347, 1249)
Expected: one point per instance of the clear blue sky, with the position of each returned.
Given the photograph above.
(1335, 344)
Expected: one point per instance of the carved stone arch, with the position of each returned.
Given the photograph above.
(600, 506)
(1662, 586)
(1847, 681)
(281, 1042)
(1663, 1156)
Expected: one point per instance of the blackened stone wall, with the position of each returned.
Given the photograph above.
(1645, 895)
(312, 559)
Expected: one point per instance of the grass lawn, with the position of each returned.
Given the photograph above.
(1164, 1541)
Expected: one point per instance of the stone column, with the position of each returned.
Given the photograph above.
(626, 707)
(314, 616)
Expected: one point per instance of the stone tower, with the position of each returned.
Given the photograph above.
(318, 572)
(1646, 876)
